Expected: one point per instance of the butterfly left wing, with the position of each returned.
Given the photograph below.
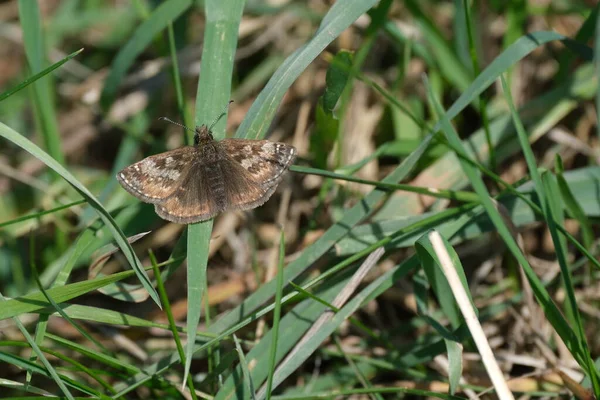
(156, 177)
(264, 161)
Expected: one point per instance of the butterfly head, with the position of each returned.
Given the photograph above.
(202, 135)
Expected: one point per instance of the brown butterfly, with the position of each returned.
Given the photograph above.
(195, 183)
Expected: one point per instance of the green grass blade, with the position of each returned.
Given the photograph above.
(173, 327)
(327, 328)
(462, 196)
(25, 387)
(29, 15)
(181, 103)
(444, 57)
(363, 392)
(118, 235)
(55, 306)
(526, 148)
(549, 197)
(41, 213)
(37, 76)
(36, 301)
(555, 217)
(103, 316)
(41, 326)
(66, 381)
(108, 361)
(439, 283)
(276, 315)
(94, 374)
(214, 88)
(514, 53)
(437, 280)
(476, 70)
(574, 209)
(248, 384)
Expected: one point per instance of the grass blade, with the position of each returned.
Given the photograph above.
(37, 76)
(165, 300)
(276, 316)
(459, 289)
(29, 14)
(36, 301)
(220, 42)
(574, 208)
(552, 208)
(248, 385)
(41, 213)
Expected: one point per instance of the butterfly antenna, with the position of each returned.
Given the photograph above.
(220, 115)
(176, 123)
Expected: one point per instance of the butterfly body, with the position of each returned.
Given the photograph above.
(195, 183)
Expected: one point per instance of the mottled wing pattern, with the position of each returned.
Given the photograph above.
(157, 177)
(264, 161)
(191, 202)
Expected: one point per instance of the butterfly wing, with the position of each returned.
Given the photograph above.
(264, 161)
(254, 169)
(241, 191)
(157, 177)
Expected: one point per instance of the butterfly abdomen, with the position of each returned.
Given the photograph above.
(215, 183)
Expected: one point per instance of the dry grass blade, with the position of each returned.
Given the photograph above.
(471, 319)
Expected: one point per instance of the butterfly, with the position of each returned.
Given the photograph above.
(195, 183)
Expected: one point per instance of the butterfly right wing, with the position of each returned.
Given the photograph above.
(264, 161)
(155, 178)
(254, 169)
(242, 192)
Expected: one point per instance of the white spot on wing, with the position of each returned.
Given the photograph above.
(269, 147)
(122, 175)
(153, 171)
(246, 163)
